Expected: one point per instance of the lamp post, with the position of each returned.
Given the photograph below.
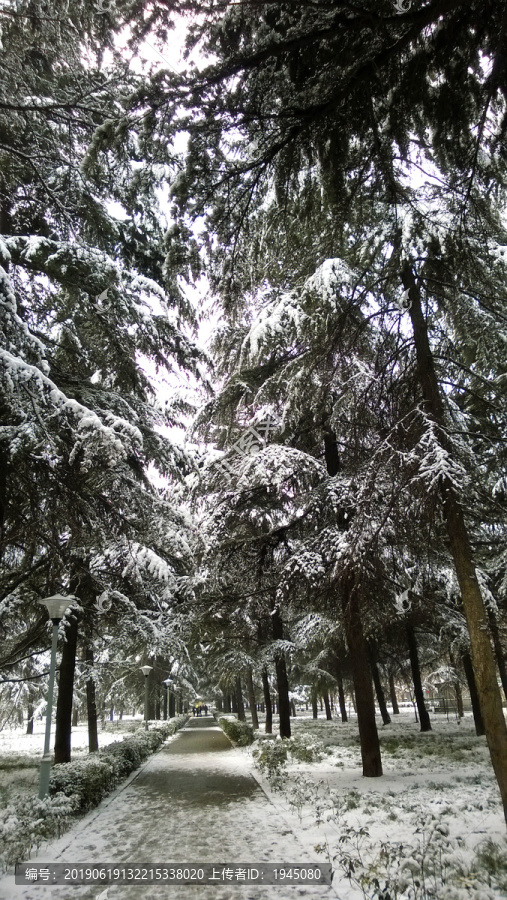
(146, 671)
(56, 607)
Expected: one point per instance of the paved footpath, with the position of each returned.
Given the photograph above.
(193, 801)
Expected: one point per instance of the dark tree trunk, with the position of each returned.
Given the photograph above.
(497, 643)
(474, 696)
(457, 687)
(281, 677)
(66, 692)
(251, 698)
(392, 692)
(151, 699)
(341, 698)
(75, 716)
(111, 713)
(91, 705)
(239, 701)
(267, 702)
(368, 734)
(315, 708)
(219, 704)
(481, 651)
(172, 704)
(424, 717)
(227, 704)
(363, 689)
(379, 690)
(29, 724)
(325, 697)
(157, 701)
(164, 708)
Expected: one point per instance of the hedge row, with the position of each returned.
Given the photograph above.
(240, 733)
(75, 788)
(91, 778)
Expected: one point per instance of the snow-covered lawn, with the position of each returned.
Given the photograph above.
(417, 829)
(20, 754)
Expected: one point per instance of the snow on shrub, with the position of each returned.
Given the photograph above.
(240, 733)
(28, 821)
(305, 748)
(91, 778)
(74, 788)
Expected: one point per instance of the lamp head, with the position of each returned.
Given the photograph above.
(56, 605)
(146, 670)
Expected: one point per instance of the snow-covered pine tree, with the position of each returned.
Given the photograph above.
(361, 102)
(87, 306)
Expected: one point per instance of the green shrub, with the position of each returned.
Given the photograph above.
(75, 788)
(271, 758)
(28, 821)
(305, 748)
(91, 778)
(240, 733)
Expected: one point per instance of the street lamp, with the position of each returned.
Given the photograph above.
(56, 607)
(146, 671)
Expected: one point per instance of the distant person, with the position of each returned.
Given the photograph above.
(205, 710)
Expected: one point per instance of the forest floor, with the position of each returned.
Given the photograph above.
(432, 826)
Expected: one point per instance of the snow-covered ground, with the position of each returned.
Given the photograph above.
(419, 825)
(20, 754)
(437, 801)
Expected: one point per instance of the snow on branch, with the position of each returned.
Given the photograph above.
(436, 466)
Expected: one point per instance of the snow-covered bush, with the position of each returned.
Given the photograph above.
(91, 778)
(28, 821)
(240, 733)
(305, 748)
(271, 759)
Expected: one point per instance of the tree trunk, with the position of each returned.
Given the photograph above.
(497, 643)
(457, 687)
(424, 717)
(251, 698)
(164, 705)
(227, 703)
(365, 703)
(268, 728)
(315, 708)
(239, 701)
(325, 697)
(172, 704)
(281, 677)
(392, 693)
(341, 697)
(91, 705)
(66, 692)
(75, 716)
(363, 688)
(151, 699)
(474, 696)
(379, 690)
(29, 724)
(483, 660)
